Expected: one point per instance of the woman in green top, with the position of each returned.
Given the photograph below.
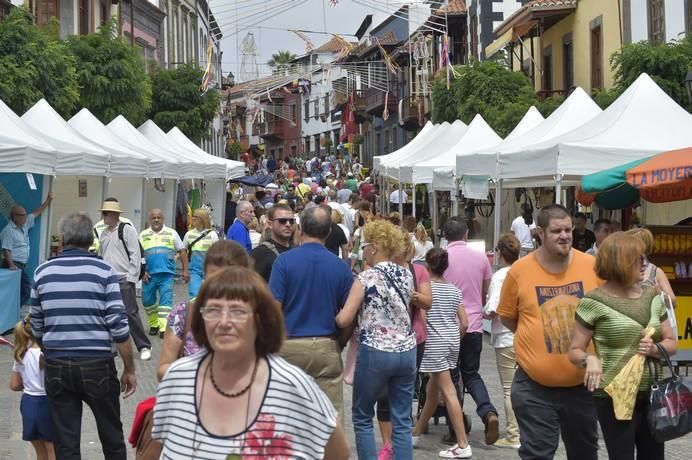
(615, 316)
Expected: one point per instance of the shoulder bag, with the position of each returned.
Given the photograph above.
(670, 404)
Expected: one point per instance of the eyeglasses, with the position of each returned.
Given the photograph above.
(284, 221)
(235, 315)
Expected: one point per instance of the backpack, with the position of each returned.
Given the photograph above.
(271, 246)
(143, 264)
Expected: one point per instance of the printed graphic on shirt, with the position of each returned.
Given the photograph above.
(558, 305)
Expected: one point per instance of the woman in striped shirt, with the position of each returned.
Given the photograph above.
(235, 398)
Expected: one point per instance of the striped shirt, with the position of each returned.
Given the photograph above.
(76, 308)
(295, 419)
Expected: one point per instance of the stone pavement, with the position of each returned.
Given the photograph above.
(12, 446)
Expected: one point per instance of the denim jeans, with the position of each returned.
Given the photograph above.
(69, 382)
(376, 372)
(469, 364)
(134, 321)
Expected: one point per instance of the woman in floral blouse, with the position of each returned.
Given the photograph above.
(387, 352)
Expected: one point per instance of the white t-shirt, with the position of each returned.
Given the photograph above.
(421, 249)
(500, 336)
(31, 372)
(296, 418)
(523, 232)
(398, 194)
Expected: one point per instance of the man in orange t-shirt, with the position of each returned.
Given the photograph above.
(538, 300)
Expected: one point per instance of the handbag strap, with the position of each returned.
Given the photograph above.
(186, 328)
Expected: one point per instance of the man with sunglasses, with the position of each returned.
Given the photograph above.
(282, 227)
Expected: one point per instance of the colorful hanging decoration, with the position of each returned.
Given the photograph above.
(385, 112)
(344, 47)
(309, 46)
(208, 71)
(391, 65)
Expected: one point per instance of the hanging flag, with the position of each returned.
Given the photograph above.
(208, 72)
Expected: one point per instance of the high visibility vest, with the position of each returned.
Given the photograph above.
(159, 250)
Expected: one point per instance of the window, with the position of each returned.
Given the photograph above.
(105, 12)
(294, 150)
(316, 106)
(326, 104)
(395, 131)
(597, 53)
(547, 68)
(657, 20)
(378, 144)
(385, 146)
(83, 17)
(474, 37)
(688, 17)
(292, 113)
(306, 109)
(567, 62)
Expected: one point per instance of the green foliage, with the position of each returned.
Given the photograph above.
(667, 64)
(34, 64)
(234, 150)
(489, 88)
(112, 76)
(280, 61)
(177, 101)
(548, 105)
(604, 97)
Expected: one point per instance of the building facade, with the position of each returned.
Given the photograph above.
(483, 16)
(658, 21)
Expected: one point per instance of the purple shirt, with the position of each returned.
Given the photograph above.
(468, 268)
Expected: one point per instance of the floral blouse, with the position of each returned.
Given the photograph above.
(384, 322)
(176, 321)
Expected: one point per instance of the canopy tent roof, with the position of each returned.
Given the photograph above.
(257, 181)
(395, 156)
(642, 122)
(444, 137)
(85, 123)
(20, 149)
(484, 162)
(75, 154)
(233, 168)
(211, 170)
(185, 169)
(478, 135)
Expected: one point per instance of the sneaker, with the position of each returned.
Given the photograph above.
(161, 334)
(456, 452)
(504, 442)
(492, 428)
(145, 354)
(415, 440)
(153, 331)
(385, 453)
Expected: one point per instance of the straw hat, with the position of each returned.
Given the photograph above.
(111, 206)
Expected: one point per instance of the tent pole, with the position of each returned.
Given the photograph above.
(46, 223)
(145, 192)
(497, 222)
(558, 189)
(435, 217)
(413, 205)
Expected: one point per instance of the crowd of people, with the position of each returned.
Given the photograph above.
(264, 329)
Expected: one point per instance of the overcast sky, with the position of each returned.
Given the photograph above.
(271, 34)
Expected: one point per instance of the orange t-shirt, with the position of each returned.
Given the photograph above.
(544, 305)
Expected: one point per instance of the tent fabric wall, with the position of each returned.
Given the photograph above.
(216, 195)
(396, 155)
(165, 201)
(67, 199)
(129, 192)
(20, 150)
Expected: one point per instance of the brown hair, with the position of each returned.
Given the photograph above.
(241, 283)
(395, 218)
(508, 246)
(226, 253)
(410, 223)
(645, 235)
(550, 212)
(619, 257)
(278, 207)
(407, 249)
(437, 260)
(23, 339)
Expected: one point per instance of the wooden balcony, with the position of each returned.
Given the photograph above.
(361, 104)
(410, 112)
(374, 101)
(273, 129)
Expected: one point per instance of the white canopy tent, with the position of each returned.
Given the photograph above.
(484, 161)
(396, 155)
(185, 169)
(440, 170)
(642, 122)
(234, 169)
(20, 149)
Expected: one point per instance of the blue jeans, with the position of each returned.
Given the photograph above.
(469, 365)
(376, 372)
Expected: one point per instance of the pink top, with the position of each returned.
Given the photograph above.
(468, 268)
(419, 327)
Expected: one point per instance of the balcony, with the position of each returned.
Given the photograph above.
(410, 112)
(273, 129)
(374, 101)
(360, 106)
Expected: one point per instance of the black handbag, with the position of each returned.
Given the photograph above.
(670, 404)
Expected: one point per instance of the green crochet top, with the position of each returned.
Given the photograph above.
(617, 326)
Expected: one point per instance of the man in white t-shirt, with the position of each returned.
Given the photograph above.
(523, 228)
(398, 196)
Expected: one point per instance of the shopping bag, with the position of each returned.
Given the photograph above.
(670, 404)
(625, 385)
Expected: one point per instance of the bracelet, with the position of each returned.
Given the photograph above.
(584, 358)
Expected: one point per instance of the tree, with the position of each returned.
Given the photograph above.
(177, 101)
(489, 88)
(112, 76)
(280, 61)
(34, 64)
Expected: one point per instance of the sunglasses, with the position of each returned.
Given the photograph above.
(284, 221)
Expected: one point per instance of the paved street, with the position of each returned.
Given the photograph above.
(12, 446)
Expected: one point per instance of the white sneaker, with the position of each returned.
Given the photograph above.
(456, 452)
(145, 354)
(415, 440)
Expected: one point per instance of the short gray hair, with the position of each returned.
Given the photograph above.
(242, 206)
(316, 222)
(76, 230)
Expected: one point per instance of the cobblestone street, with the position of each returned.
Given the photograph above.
(12, 446)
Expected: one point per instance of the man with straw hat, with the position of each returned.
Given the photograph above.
(119, 246)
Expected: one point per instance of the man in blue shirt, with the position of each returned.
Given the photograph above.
(15, 243)
(238, 231)
(312, 285)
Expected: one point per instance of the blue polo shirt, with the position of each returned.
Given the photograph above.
(239, 233)
(312, 285)
(16, 239)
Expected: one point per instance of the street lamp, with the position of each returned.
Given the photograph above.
(231, 79)
(688, 85)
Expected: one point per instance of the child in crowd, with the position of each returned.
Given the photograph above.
(27, 376)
